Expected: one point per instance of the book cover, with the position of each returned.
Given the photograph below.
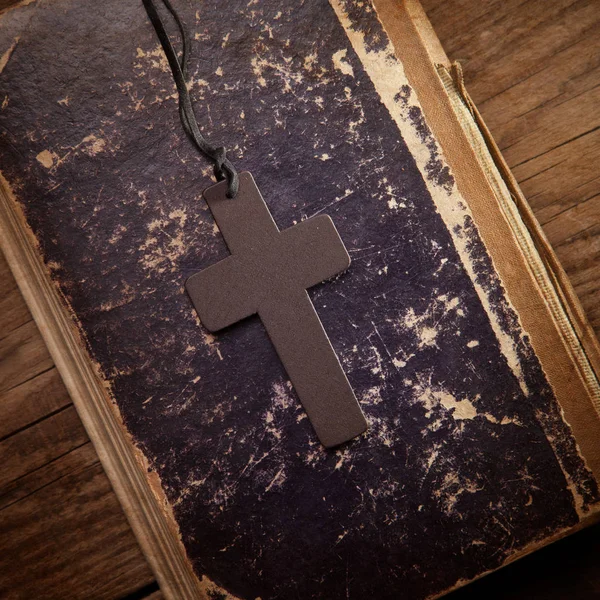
(475, 451)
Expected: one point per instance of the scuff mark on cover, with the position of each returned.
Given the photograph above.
(387, 74)
(7, 54)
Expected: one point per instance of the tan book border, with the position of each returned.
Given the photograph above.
(547, 306)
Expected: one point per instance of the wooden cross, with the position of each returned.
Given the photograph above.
(268, 273)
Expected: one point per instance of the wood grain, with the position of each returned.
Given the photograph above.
(533, 69)
(62, 530)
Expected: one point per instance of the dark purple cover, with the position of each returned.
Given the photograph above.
(467, 460)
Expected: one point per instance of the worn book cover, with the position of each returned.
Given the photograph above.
(465, 347)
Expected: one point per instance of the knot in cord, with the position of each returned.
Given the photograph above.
(223, 168)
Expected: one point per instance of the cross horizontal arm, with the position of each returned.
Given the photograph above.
(323, 254)
(219, 294)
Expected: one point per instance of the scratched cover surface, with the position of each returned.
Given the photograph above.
(467, 459)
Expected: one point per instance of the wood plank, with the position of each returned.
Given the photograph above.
(31, 401)
(552, 126)
(23, 355)
(580, 256)
(573, 221)
(78, 458)
(52, 487)
(565, 76)
(561, 178)
(504, 43)
(34, 447)
(70, 539)
(13, 310)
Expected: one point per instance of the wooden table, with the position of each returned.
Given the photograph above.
(533, 68)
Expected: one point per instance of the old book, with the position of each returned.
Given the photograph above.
(456, 327)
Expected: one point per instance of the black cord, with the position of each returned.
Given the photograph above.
(222, 166)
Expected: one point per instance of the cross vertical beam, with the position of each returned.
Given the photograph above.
(267, 274)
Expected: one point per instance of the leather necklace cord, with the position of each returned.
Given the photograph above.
(223, 168)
